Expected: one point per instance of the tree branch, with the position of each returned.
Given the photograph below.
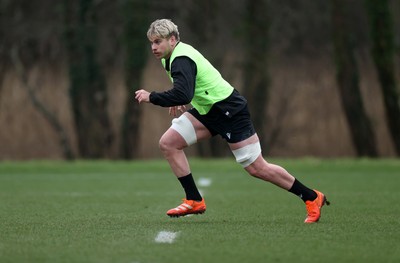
(39, 106)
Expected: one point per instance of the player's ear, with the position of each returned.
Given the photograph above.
(172, 40)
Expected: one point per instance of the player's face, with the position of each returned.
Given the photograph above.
(162, 47)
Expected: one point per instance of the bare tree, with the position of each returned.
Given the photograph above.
(136, 21)
(256, 46)
(88, 91)
(40, 106)
(362, 134)
(383, 50)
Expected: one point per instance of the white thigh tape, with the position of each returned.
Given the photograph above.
(185, 128)
(247, 154)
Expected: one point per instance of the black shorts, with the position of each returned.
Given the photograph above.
(233, 129)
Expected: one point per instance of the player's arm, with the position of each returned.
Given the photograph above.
(183, 72)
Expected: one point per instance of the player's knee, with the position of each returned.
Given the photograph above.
(171, 141)
(163, 144)
(253, 171)
(247, 155)
(259, 171)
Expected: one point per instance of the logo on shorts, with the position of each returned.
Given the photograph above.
(228, 134)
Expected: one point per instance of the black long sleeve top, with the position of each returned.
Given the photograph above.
(183, 72)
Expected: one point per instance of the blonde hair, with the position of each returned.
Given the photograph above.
(163, 28)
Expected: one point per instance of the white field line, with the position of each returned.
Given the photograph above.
(166, 237)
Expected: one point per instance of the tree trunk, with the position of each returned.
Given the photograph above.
(136, 23)
(88, 91)
(256, 80)
(383, 50)
(362, 134)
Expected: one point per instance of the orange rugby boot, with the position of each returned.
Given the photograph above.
(314, 208)
(188, 207)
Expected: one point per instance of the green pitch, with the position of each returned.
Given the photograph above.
(115, 212)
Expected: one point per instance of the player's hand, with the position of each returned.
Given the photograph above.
(174, 111)
(142, 95)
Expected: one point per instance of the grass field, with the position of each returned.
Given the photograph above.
(108, 211)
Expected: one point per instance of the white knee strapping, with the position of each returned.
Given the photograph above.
(185, 128)
(247, 154)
